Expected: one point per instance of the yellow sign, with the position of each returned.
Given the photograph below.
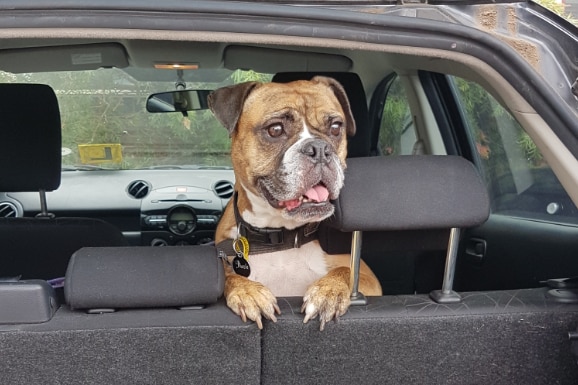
(100, 153)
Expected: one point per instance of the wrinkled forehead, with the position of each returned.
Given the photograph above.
(301, 95)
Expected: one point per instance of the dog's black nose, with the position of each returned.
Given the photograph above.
(317, 149)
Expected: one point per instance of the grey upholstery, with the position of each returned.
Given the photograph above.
(139, 277)
(410, 193)
(148, 346)
(30, 160)
(499, 338)
(509, 338)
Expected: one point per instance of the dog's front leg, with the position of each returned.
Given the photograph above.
(328, 297)
(250, 299)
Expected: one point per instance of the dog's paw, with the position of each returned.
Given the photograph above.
(251, 300)
(327, 297)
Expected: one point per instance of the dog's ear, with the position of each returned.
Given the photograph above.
(227, 103)
(341, 95)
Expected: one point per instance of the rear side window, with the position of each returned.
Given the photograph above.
(519, 180)
(396, 130)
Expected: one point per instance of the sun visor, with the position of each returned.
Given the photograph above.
(271, 60)
(63, 58)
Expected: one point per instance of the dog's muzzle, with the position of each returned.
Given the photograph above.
(317, 150)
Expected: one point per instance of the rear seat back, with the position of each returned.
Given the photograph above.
(133, 346)
(498, 338)
(136, 315)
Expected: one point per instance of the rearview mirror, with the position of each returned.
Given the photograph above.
(178, 101)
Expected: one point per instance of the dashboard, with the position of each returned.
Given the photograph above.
(151, 207)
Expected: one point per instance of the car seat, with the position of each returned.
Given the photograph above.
(30, 160)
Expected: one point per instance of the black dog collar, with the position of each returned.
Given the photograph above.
(268, 239)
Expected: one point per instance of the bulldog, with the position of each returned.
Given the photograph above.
(288, 150)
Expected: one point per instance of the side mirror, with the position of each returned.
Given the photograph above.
(178, 101)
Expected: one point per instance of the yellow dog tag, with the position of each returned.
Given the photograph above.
(241, 246)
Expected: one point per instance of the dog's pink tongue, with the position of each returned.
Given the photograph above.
(317, 193)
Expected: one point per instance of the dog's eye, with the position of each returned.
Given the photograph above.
(275, 130)
(335, 128)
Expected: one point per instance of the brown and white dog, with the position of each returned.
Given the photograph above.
(288, 152)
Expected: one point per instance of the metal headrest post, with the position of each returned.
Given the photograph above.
(357, 298)
(446, 294)
(43, 207)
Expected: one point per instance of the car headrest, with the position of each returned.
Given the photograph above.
(143, 277)
(413, 192)
(30, 138)
(359, 144)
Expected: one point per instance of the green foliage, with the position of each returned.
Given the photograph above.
(397, 116)
(249, 76)
(481, 113)
(530, 150)
(493, 130)
(558, 8)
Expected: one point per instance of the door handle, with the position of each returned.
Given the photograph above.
(476, 249)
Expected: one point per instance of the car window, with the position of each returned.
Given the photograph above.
(519, 180)
(105, 123)
(396, 130)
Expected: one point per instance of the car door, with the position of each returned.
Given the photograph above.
(532, 232)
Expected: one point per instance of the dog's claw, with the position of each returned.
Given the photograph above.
(253, 301)
(326, 301)
(243, 315)
(322, 325)
(270, 311)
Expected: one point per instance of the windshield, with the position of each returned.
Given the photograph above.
(105, 124)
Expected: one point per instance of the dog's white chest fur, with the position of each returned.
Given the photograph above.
(288, 273)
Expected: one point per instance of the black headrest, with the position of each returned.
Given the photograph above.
(413, 192)
(30, 138)
(143, 277)
(359, 144)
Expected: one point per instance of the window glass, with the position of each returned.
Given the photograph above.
(396, 130)
(105, 124)
(519, 180)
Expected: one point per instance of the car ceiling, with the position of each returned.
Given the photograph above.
(142, 49)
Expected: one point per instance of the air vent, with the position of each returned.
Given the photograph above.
(8, 210)
(139, 189)
(224, 189)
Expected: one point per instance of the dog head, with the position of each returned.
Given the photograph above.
(288, 145)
